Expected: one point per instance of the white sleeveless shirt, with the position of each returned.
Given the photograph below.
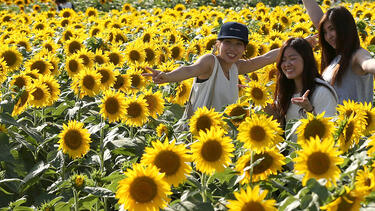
(218, 90)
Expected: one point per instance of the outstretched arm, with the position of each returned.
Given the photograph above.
(250, 65)
(364, 59)
(314, 11)
(201, 67)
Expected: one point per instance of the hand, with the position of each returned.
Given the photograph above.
(303, 101)
(312, 40)
(157, 76)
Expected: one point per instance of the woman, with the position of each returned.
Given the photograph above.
(299, 87)
(345, 64)
(62, 4)
(216, 76)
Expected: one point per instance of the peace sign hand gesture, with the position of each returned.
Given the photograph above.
(303, 102)
(157, 76)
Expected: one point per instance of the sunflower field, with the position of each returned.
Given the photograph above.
(82, 129)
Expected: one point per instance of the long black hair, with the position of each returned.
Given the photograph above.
(285, 87)
(347, 40)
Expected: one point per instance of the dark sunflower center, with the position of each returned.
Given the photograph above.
(91, 13)
(134, 110)
(368, 182)
(238, 111)
(88, 82)
(253, 206)
(204, 123)
(119, 38)
(112, 106)
(38, 94)
(257, 133)
(349, 132)
(99, 59)
(40, 66)
(210, 44)
(368, 119)
(250, 51)
(284, 20)
(10, 58)
(314, 128)
(143, 189)
(257, 93)
(105, 76)
(346, 205)
(23, 99)
(48, 47)
(150, 55)
(272, 73)
(73, 66)
(136, 80)
(39, 26)
(146, 38)
(182, 91)
(73, 139)
(175, 52)
(20, 82)
(68, 35)
(64, 22)
(211, 151)
(114, 58)
(85, 58)
(168, 162)
(151, 101)
(134, 55)
(74, 47)
(265, 164)
(22, 43)
(119, 82)
(349, 112)
(318, 163)
(95, 32)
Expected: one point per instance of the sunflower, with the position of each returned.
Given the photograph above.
(314, 126)
(257, 92)
(259, 132)
(155, 103)
(22, 102)
(11, 56)
(162, 129)
(122, 82)
(349, 200)
(53, 87)
(251, 49)
(251, 199)
(20, 81)
(115, 56)
(136, 111)
(39, 95)
(318, 159)
(143, 189)
(204, 119)
(351, 107)
(365, 180)
(86, 56)
(134, 53)
(212, 151)
(237, 112)
(3, 70)
(78, 181)
(40, 64)
(151, 53)
(108, 74)
(3, 129)
(73, 45)
(351, 132)
(177, 51)
(95, 31)
(170, 159)
(113, 105)
(99, 57)
(87, 82)
(137, 81)
(91, 12)
(369, 117)
(272, 163)
(74, 139)
(73, 65)
(21, 40)
(183, 92)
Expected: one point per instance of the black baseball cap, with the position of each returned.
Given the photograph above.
(234, 30)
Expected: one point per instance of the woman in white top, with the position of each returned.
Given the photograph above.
(345, 64)
(217, 76)
(299, 87)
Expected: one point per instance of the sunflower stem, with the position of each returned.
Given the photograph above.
(101, 146)
(204, 181)
(251, 169)
(75, 194)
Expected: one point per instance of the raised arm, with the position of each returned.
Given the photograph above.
(201, 67)
(364, 59)
(314, 11)
(250, 65)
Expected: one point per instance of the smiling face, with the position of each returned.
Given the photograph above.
(292, 64)
(231, 50)
(329, 33)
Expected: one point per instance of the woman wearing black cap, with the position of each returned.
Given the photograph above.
(216, 83)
